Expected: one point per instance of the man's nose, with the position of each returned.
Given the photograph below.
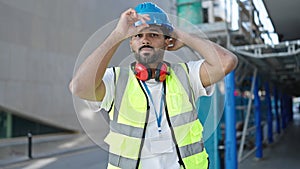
(145, 40)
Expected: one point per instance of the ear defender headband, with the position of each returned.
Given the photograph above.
(143, 72)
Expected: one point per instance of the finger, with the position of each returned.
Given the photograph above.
(142, 20)
(128, 11)
(145, 16)
(135, 15)
(131, 14)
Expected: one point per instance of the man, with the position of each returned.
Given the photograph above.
(151, 104)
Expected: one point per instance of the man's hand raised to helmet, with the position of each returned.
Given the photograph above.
(174, 42)
(126, 27)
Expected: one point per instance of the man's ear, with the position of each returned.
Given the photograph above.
(130, 44)
(169, 42)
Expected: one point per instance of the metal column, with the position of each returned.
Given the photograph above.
(269, 115)
(258, 138)
(276, 110)
(230, 121)
(290, 118)
(246, 121)
(286, 110)
(283, 111)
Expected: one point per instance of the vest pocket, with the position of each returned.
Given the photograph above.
(178, 103)
(196, 131)
(122, 145)
(175, 102)
(115, 147)
(115, 142)
(197, 161)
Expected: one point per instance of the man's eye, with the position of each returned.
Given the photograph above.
(138, 35)
(154, 35)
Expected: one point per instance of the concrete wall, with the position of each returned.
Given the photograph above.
(39, 44)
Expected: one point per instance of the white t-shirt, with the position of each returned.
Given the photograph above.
(159, 151)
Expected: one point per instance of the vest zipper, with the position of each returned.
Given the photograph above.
(145, 126)
(180, 161)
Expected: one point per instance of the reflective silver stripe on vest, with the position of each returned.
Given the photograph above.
(126, 129)
(183, 118)
(120, 90)
(122, 162)
(191, 149)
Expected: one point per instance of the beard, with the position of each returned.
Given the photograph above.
(148, 58)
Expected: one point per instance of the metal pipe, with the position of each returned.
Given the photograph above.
(29, 136)
(245, 127)
(230, 121)
(290, 109)
(258, 138)
(276, 110)
(269, 114)
(283, 111)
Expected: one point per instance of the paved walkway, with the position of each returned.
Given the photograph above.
(16, 149)
(283, 153)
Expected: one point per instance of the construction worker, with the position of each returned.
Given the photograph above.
(151, 103)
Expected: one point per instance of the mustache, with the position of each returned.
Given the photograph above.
(146, 46)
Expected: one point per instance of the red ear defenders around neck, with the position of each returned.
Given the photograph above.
(143, 72)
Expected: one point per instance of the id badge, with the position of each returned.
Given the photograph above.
(161, 144)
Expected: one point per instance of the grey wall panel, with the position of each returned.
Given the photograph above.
(39, 44)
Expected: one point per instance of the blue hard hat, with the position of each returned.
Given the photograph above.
(157, 15)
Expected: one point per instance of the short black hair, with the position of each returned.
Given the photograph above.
(166, 31)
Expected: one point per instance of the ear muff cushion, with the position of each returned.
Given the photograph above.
(161, 72)
(142, 72)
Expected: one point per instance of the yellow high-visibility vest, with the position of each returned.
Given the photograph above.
(129, 115)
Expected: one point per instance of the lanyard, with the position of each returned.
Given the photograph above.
(158, 116)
